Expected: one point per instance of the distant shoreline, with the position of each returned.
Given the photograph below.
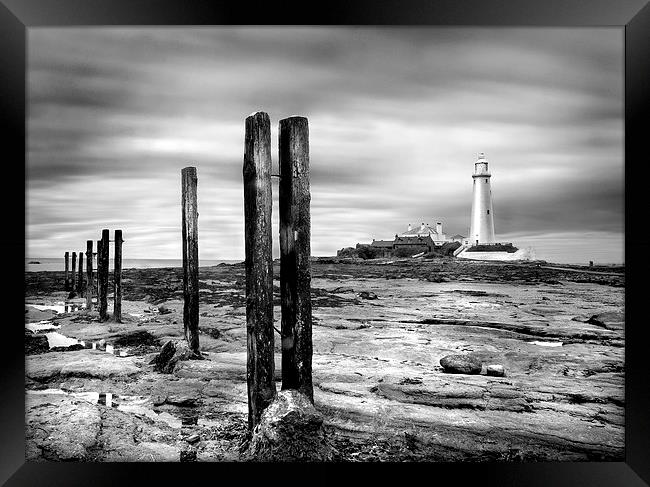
(57, 265)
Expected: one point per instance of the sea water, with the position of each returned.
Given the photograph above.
(58, 264)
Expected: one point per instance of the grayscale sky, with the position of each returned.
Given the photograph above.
(396, 118)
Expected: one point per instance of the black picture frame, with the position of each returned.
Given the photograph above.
(633, 16)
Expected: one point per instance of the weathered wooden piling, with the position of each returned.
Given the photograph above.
(117, 278)
(102, 275)
(89, 274)
(80, 279)
(67, 275)
(73, 271)
(190, 217)
(295, 253)
(97, 273)
(260, 365)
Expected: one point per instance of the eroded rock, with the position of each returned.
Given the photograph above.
(611, 320)
(136, 338)
(35, 344)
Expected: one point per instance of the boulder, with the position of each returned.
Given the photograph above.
(193, 438)
(164, 310)
(170, 354)
(461, 364)
(495, 370)
(35, 344)
(290, 429)
(367, 295)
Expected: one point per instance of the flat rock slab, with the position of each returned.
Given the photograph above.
(65, 427)
(81, 363)
(35, 314)
(59, 428)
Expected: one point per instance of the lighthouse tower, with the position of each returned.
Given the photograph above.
(482, 219)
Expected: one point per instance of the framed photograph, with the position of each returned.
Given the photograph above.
(362, 235)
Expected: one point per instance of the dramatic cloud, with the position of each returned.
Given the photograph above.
(397, 117)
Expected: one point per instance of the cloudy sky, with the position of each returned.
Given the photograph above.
(396, 116)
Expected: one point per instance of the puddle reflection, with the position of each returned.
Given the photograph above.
(55, 339)
(137, 405)
(547, 344)
(40, 326)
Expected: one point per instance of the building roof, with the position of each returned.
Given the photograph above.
(382, 243)
(458, 235)
(413, 240)
(415, 231)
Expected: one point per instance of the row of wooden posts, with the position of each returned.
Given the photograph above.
(97, 284)
(295, 268)
(295, 251)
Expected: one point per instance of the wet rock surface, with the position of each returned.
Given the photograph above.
(378, 382)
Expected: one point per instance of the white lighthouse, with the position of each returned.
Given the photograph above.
(482, 219)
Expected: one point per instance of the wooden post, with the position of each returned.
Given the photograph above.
(73, 271)
(80, 281)
(117, 278)
(67, 276)
(190, 217)
(97, 273)
(295, 253)
(99, 246)
(102, 276)
(89, 274)
(260, 367)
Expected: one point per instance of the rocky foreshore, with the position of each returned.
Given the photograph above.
(540, 374)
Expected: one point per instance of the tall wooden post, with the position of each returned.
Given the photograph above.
(295, 253)
(117, 277)
(99, 242)
(80, 280)
(89, 274)
(260, 367)
(190, 216)
(102, 275)
(74, 271)
(67, 275)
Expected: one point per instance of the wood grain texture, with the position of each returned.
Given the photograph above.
(74, 272)
(117, 278)
(89, 275)
(66, 282)
(80, 278)
(259, 265)
(295, 252)
(190, 217)
(102, 275)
